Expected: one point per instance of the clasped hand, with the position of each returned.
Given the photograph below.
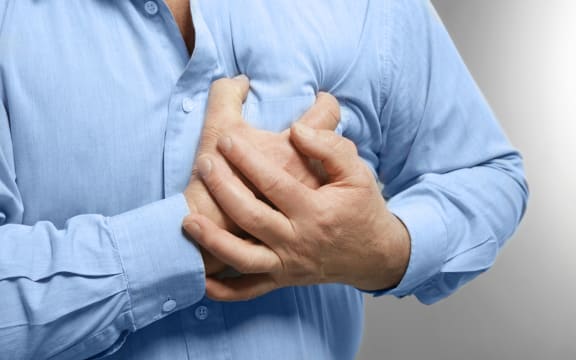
(223, 114)
(297, 234)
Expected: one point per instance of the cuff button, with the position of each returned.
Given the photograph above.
(169, 306)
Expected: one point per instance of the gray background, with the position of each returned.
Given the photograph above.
(523, 55)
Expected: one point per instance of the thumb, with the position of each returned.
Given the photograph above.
(224, 109)
(324, 114)
(226, 98)
(338, 155)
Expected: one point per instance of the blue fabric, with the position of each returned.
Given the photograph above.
(101, 112)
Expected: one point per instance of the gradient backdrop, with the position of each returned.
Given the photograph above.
(523, 55)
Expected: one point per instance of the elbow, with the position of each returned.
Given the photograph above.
(518, 191)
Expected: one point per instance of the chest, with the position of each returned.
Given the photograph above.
(115, 93)
(180, 10)
(286, 47)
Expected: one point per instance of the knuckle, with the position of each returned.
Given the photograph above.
(273, 184)
(347, 146)
(301, 252)
(253, 218)
(366, 174)
(325, 216)
(276, 265)
(242, 267)
(329, 221)
(195, 175)
(246, 266)
(208, 240)
(334, 112)
(334, 115)
(216, 113)
(330, 139)
(331, 109)
(221, 84)
(214, 183)
(210, 135)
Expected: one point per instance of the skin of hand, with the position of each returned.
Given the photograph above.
(223, 114)
(341, 232)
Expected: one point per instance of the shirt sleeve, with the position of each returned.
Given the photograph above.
(76, 292)
(449, 173)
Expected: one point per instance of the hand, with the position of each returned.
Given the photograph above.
(224, 114)
(341, 232)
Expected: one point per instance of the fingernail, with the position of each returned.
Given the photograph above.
(304, 130)
(225, 143)
(241, 77)
(193, 227)
(204, 167)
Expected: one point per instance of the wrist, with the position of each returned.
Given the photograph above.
(398, 252)
(392, 255)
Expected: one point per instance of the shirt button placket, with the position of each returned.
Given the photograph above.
(151, 7)
(187, 105)
(201, 313)
(206, 331)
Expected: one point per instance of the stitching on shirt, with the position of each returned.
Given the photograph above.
(124, 273)
(3, 17)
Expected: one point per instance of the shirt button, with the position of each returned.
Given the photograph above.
(151, 7)
(169, 305)
(187, 105)
(201, 312)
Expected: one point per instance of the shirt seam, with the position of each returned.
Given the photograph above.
(3, 18)
(386, 85)
(124, 272)
(57, 353)
(384, 80)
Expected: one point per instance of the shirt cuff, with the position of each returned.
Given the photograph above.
(428, 240)
(163, 269)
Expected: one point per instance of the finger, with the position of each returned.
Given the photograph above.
(324, 114)
(224, 109)
(225, 100)
(338, 155)
(277, 185)
(212, 265)
(240, 204)
(243, 255)
(240, 289)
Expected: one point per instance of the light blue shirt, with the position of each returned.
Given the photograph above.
(101, 112)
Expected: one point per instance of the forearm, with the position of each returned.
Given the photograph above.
(76, 291)
(458, 221)
(448, 170)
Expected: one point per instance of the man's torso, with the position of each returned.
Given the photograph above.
(108, 119)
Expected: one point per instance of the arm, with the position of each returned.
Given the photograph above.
(448, 170)
(74, 292)
(449, 173)
(341, 232)
(77, 291)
